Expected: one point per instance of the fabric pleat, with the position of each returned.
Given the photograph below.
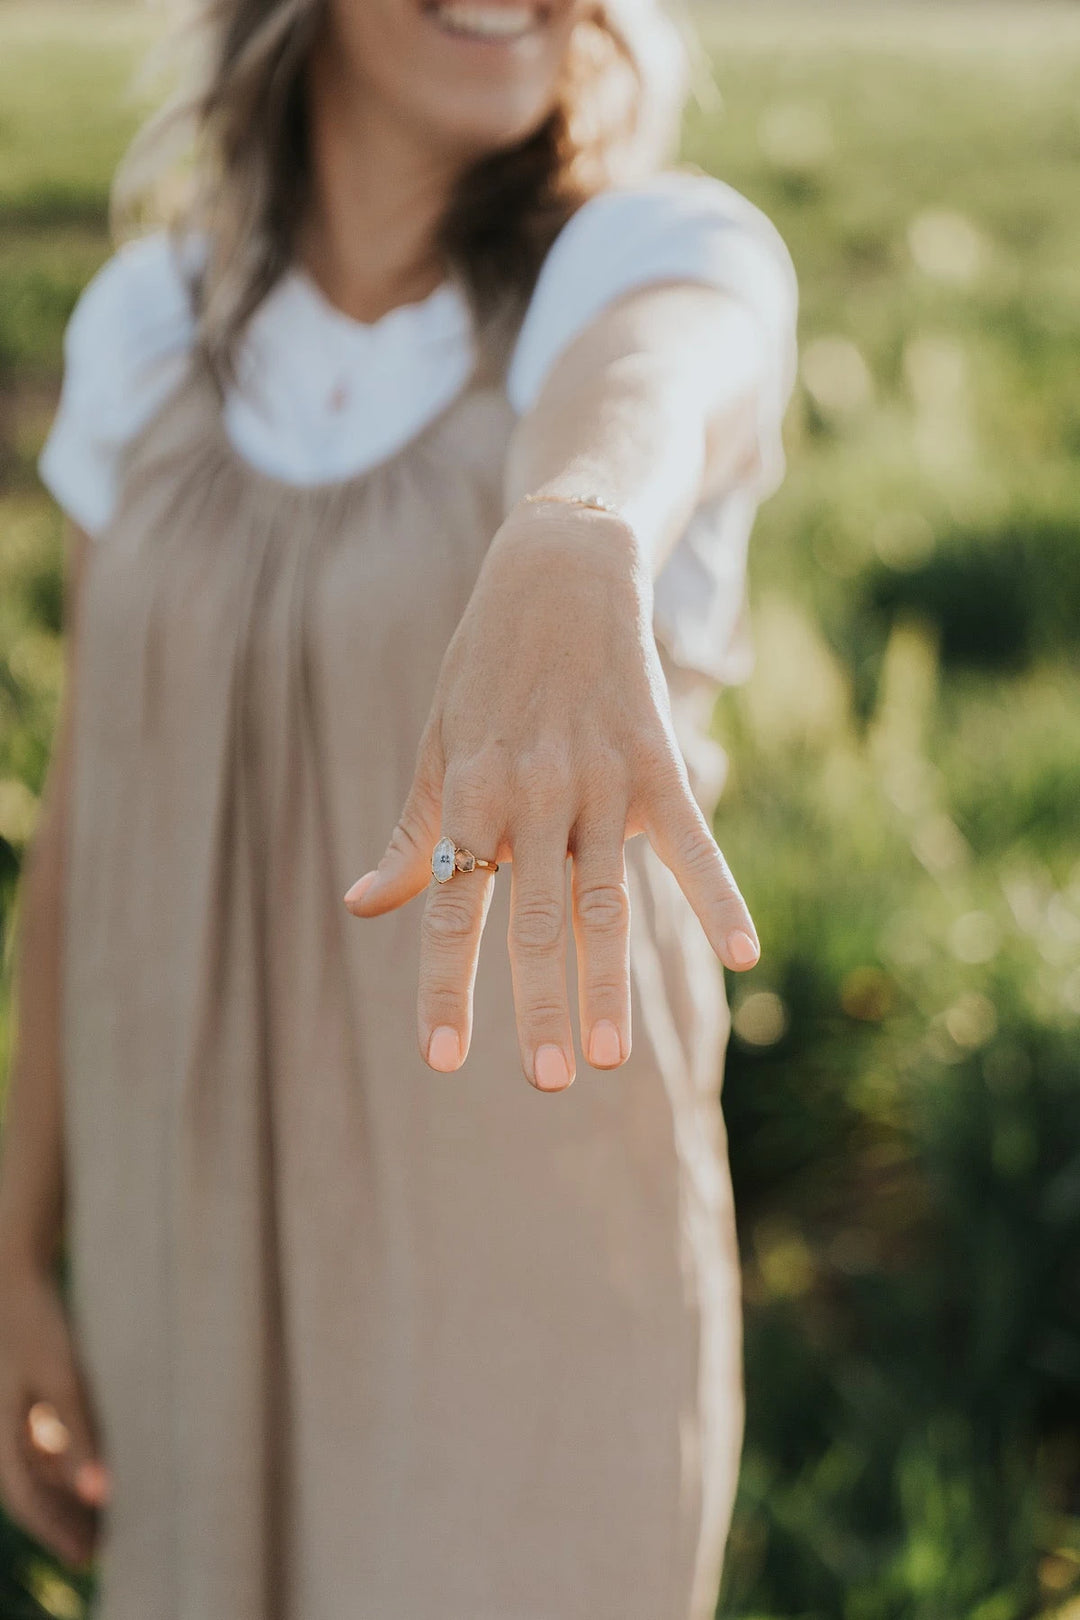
(365, 1342)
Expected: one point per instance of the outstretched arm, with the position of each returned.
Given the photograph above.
(654, 406)
(550, 733)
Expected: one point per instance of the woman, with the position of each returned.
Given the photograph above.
(372, 466)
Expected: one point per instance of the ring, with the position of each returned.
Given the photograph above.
(447, 859)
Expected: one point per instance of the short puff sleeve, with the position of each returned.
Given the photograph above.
(679, 227)
(126, 348)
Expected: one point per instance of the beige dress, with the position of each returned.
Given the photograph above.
(365, 1342)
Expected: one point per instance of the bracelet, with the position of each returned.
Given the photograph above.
(595, 503)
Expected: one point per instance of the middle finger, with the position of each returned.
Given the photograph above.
(537, 944)
(602, 933)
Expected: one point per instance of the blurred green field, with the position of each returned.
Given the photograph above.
(904, 801)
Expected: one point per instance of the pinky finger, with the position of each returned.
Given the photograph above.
(681, 837)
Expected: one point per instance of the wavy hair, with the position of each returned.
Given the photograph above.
(227, 157)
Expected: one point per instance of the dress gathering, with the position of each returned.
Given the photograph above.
(366, 1340)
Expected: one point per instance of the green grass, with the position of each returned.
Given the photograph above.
(904, 802)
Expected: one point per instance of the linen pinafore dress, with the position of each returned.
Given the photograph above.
(365, 1342)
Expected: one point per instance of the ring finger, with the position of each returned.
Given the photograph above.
(602, 936)
(450, 934)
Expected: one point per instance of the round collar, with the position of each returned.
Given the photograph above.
(322, 396)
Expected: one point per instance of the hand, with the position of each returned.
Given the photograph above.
(550, 733)
(51, 1479)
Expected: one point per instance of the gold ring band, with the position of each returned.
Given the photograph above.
(448, 858)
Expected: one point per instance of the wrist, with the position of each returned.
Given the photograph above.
(26, 1249)
(21, 1262)
(571, 528)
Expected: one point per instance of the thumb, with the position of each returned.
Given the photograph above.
(86, 1472)
(60, 1428)
(406, 864)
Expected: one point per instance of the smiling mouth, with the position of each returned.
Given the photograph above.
(485, 20)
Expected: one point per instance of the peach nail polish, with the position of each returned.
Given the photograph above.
(444, 1049)
(742, 950)
(360, 888)
(605, 1051)
(92, 1483)
(550, 1069)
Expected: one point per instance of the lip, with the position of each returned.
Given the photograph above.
(432, 10)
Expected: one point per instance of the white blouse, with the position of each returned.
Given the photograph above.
(321, 396)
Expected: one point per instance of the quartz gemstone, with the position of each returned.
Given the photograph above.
(442, 860)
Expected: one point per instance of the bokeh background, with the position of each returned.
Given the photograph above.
(904, 800)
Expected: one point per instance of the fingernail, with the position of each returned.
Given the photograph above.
(550, 1068)
(92, 1483)
(605, 1049)
(444, 1049)
(360, 888)
(742, 950)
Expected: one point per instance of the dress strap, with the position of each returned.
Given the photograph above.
(495, 336)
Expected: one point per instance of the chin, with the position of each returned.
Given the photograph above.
(479, 131)
(499, 66)
(478, 75)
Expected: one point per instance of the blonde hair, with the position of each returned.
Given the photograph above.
(234, 137)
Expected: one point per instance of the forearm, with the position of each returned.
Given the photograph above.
(31, 1167)
(654, 406)
(32, 1157)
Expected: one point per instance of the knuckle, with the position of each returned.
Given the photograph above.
(447, 924)
(542, 773)
(420, 806)
(697, 851)
(425, 788)
(610, 768)
(604, 907)
(606, 991)
(407, 837)
(536, 925)
(656, 759)
(429, 747)
(540, 1016)
(470, 787)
